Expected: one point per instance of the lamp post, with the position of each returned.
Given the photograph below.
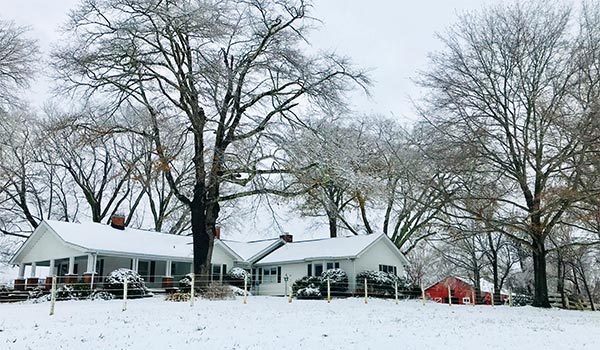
(286, 278)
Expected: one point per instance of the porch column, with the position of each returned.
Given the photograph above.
(71, 265)
(88, 276)
(32, 281)
(167, 280)
(21, 271)
(135, 263)
(71, 277)
(168, 268)
(51, 268)
(51, 272)
(20, 281)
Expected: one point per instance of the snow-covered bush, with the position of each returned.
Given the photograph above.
(178, 297)
(382, 284)
(101, 295)
(309, 293)
(238, 292)
(305, 287)
(338, 282)
(185, 283)
(135, 283)
(235, 277)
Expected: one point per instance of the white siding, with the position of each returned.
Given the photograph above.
(379, 253)
(47, 247)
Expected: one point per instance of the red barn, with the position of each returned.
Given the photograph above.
(461, 291)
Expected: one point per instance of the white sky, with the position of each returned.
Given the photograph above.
(391, 38)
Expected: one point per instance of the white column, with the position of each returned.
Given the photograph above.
(71, 265)
(90, 264)
(168, 268)
(135, 263)
(51, 271)
(21, 271)
(33, 266)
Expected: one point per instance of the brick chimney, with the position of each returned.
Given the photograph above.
(117, 221)
(217, 232)
(287, 237)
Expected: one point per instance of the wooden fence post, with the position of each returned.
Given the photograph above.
(449, 296)
(366, 293)
(124, 294)
(396, 290)
(53, 295)
(328, 291)
(492, 298)
(423, 294)
(193, 290)
(473, 296)
(510, 301)
(245, 289)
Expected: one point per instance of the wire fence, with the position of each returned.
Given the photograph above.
(179, 288)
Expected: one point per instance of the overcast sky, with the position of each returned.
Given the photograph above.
(392, 38)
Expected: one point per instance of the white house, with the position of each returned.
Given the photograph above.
(86, 251)
(352, 254)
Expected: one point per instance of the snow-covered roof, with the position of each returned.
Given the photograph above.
(339, 247)
(249, 251)
(96, 237)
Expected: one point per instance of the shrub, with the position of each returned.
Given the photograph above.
(382, 284)
(185, 283)
(309, 293)
(338, 282)
(178, 297)
(101, 295)
(522, 300)
(306, 282)
(216, 291)
(238, 292)
(235, 277)
(135, 283)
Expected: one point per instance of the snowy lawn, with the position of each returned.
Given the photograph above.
(272, 323)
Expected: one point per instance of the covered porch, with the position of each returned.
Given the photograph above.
(93, 268)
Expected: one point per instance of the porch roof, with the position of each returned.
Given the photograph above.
(101, 238)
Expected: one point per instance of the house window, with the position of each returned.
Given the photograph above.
(333, 265)
(270, 275)
(309, 270)
(318, 269)
(100, 267)
(389, 269)
(466, 300)
(173, 268)
(216, 273)
(152, 271)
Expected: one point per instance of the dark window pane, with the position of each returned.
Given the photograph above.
(278, 274)
(329, 266)
(337, 265)
(309, 270)
(318, 269)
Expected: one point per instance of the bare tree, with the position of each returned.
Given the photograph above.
(18, 61)
(333, 163)
(502, 92)
(225, 73)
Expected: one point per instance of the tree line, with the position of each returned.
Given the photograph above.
(179, 110)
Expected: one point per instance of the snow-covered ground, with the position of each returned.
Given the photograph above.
(272, 323)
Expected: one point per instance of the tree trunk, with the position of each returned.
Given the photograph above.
(540, 283)
(332, 226)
